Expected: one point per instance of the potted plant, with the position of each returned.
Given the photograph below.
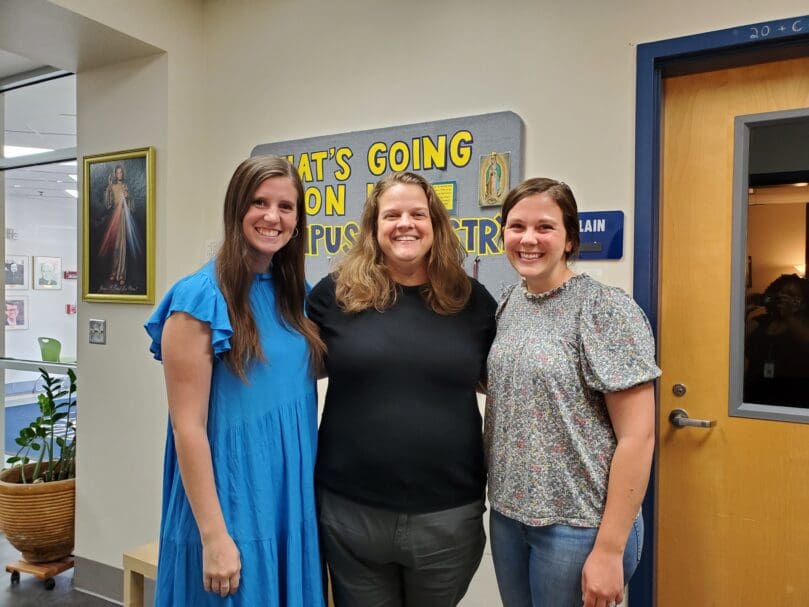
(38, 490)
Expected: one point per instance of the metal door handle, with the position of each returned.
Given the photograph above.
(680, 419)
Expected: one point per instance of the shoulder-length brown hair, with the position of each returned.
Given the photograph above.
(363, 280)
(235, 275)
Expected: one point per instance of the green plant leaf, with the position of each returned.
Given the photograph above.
(42, 437)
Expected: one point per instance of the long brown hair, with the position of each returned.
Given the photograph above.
(364, 282)
(235, 276)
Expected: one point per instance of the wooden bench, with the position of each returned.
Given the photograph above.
(138, 564)
(142, 563)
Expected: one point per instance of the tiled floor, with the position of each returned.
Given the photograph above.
(30, 592)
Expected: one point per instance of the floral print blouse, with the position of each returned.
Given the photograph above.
(548, 436)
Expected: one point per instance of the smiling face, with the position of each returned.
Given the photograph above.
(405, 232)
(11, 313)
(536, 242)
(270, 220)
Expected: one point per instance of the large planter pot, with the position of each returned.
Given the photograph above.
(37, 518)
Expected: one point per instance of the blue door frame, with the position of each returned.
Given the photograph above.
(756, 43)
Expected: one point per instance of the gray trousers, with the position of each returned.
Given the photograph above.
(379, 558)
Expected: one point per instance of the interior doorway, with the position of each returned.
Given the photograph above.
(40, 213)
(660, 65)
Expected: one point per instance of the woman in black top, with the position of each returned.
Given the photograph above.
(400, 473)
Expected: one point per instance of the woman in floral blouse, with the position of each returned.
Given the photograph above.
(569, 418)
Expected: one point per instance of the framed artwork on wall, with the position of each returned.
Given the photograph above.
(494, 177)
(16, 313)
(118, 244)
(47, 273)
(16, 267)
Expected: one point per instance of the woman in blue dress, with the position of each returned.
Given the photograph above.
(238, 524)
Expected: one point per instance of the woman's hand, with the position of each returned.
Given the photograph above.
(602, 579)
(221, 565)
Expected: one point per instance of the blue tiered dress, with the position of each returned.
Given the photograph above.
(263, 439)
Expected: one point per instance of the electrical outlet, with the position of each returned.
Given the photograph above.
(98, 331)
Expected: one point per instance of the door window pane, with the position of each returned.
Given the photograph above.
(776, 345)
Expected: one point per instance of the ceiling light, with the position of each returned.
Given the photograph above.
(73, 177)
(74, 193)
(69, 163)
(800, 184)
(13, 151)
(17, 185)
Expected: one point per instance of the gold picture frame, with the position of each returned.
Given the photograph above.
(118, 243)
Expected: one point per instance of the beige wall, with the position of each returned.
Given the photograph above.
(776, 241)
(120, 419)
(153, 101)
(239, 73)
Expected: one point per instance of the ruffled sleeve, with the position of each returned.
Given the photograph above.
(618, 350)
(198, 296)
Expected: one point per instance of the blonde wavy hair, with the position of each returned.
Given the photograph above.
(363, 280)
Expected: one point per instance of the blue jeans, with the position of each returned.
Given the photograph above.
(541, 566)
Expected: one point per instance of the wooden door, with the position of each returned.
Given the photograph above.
(732, 500)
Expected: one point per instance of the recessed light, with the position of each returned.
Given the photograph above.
(800, 184)
(13, 151)
(74, 193)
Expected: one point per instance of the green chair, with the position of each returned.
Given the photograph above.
(51, 348)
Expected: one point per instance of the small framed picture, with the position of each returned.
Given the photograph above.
(16, 272)
(494, 178)
(16, 313)
(47, 273)
(119, 243)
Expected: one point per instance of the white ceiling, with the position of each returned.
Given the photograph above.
(42, 115)
(11, 64)
(49, 181)
(39, 116)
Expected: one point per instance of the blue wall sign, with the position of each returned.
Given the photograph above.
(601, 234)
